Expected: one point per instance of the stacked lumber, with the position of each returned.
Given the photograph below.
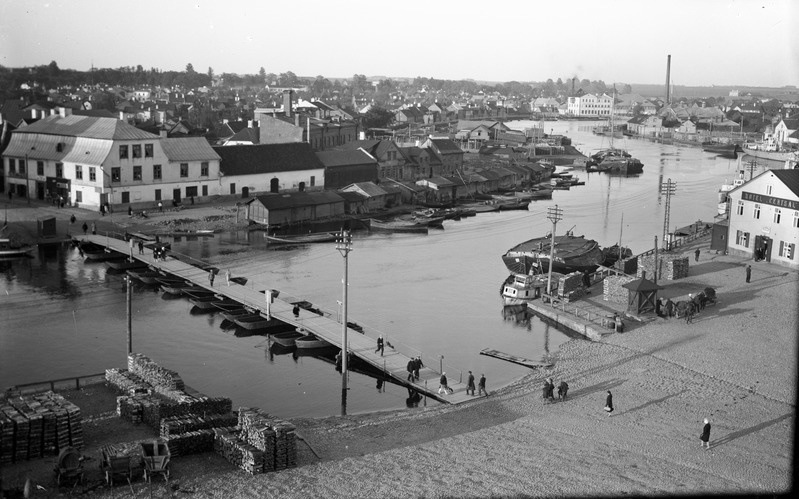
(36, 426)
(182, 424)
(612, 289)
(275, 437)
(677, 268)
(191, 442)
(570, 286)
(129, 408)
(154, 374)
(285, 445)
(238, 452)
(670, 267)
(126, 382)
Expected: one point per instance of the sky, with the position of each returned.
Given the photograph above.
(721, 42)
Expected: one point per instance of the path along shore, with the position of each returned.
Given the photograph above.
(735, 364)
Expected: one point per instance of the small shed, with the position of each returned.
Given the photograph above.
(46, 227)
(642, 296)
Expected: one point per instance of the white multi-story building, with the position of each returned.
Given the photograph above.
(590, 105)
(764, 218)
(89, 161)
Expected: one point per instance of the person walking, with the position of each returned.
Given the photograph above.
(130, 211)
(227, 276)
(211, 277)
(72, 219)
(704, 438)
(417, 364)
(563, 388)
(545, 389)
(296, 311)
(748, 273)
(470, 384)
(141, 247)
(443, 385)
(94, 228)
(160, 206)
(379, 345)
(411, 366)
(609, 403)
(85, 228)
(481, 386)
(696, 255)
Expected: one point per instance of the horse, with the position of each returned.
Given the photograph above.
(710, 293)
(699, 300)
(669, 308)
(685, 309)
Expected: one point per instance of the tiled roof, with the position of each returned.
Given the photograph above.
(298, 199)
(89, 127)
(345, 158)
(369, 146)
(446, 146)
(188, 149)
(369, 188)
(790, 178)
(267, 158)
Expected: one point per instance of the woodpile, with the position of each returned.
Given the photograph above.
(670, 267)
(39, 425)
(570, 286)
(275, 437)
(154, 374)
(191, 442)
(183, 424)
(613, 291)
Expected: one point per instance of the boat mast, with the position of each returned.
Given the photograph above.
(621, 228)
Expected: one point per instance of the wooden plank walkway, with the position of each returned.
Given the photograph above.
(515, 359)
(392, 363)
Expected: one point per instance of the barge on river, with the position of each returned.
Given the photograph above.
(572, 253)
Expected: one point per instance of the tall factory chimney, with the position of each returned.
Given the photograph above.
(668, 79)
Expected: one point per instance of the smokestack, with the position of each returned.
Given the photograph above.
(668, 78)
(287, 102)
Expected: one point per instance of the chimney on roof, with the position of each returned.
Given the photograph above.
(668, 78)
(296, 120)
(287, 102)
(250, 124)
(162, 134)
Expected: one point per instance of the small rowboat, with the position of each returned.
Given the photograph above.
(310, 341)
(302, 239)
(287, 338)
(258, 321)
(145, 276)
(204, 303)
(397, 226)
(125, 264)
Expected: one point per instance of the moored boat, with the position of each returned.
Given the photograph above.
(11, 249)
(518, 289)
(302, 239)
(145, 275)
(572, 253)
(286, 338)
(125, 264)
(769, 149)
(397, 226)
(310, 341)
(724, 150)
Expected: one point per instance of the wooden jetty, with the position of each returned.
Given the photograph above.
(532, 364)
(392, 363)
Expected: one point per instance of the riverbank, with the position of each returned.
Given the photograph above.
(736, 364)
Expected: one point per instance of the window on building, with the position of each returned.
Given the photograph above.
(740, 207)
(123, 152)
(204, 169)
(205, 190)
(184, 170)
(116, 174)
(78, 172)
(59, 147)
(757, 212)
(78, 196)
(742, 238)
(156, 172)
(12, 165)
(92, 174)
(313, 180)
(21, 163)
(59, 170)
(191, 192)
(136, 150)
(136, 172)
(796, 219)
(125, 197)
(777, 215)
(158, 194)
(148, 150)
(787, 250)
(40, 168)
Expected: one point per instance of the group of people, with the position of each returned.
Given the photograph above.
(481, 385)
(413, 367)
(549, 390)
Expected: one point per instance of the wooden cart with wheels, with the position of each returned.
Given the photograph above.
(156, 460)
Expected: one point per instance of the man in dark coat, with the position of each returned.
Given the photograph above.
(380, 345)
(481, 385)
(609, 403)
(563, 388)
(696, 255)
(748, 272)
(411, 367)
(417, 364)
(85, 228)
(470, 384)
(704, 438)
(443, 385)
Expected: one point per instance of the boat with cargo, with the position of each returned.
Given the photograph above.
(730, 150)
(770, 149)
(572, 253)
(397, 226)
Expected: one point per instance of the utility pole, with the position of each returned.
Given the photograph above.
(130, 313)
(344, 246)
(554, 215)
(752, 166)
(668, 189)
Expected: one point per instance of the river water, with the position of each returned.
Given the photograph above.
(435, 295)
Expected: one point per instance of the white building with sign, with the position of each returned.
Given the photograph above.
(764, 218)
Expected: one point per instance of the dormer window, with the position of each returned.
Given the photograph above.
(59, 147)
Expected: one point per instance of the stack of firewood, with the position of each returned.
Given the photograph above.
(612, 289)
(570, 286)
(182, 424)
(153, 373)
(191, 442)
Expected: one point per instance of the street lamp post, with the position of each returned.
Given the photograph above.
(554, 215)
(344, 246)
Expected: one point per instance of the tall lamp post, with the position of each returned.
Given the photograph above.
(554, 215)
(28, 176)
(344, 246)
